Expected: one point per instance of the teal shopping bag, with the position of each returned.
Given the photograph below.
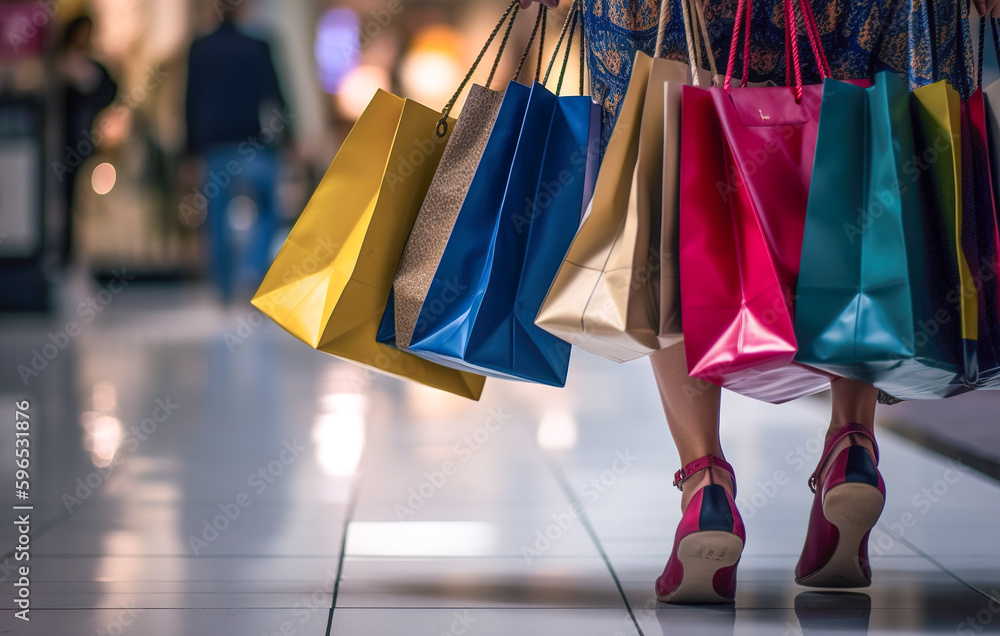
(879, 262)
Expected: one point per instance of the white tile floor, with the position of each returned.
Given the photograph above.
(458, 515)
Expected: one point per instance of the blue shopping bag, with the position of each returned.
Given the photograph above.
(477, 218)
(520, 215)
(502, 256)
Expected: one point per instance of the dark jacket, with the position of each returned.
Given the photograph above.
(230, 78)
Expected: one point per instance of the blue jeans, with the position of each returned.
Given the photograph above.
(231, 172)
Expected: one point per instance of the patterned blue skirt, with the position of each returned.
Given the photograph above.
(924, 40)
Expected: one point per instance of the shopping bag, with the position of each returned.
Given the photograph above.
(980, 188)
(942, 119)
(671, 325)
(746, 167)
(880, 245)
(606, 297)
(330, 280)
(602, 299)
(504, 252)
(450, 188)
(447, 289)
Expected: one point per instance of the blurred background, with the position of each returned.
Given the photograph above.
(153, 155)
(119, 120)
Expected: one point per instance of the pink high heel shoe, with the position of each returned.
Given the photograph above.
(847, 505)
(707, 545)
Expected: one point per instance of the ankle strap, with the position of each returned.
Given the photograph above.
(849, 429)
(700, 464)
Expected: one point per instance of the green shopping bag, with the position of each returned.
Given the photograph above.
(879, 257)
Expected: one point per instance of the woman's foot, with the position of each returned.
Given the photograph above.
(709, 539)
(850, 495)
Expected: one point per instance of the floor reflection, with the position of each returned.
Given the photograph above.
(833, 612)
(211, 480)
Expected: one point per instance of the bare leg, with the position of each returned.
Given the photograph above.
(853, 403)
(692, 410)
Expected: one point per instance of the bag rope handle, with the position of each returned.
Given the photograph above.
(744, 10)
(512, 9)
(699, 13)
(583, 44)
(793, 62)
(815, 39)
(562, 36)
(569, 46)
(792, 42)
(539, 21)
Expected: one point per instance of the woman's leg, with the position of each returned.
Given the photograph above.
(853, 403)
(710, 537)
(692, 410)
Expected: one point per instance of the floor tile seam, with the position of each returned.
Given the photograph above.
(985, 595)
(585, 522)
(348, 516)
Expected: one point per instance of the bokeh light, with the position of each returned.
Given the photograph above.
(359, 87)
(338, 47)
(431, 69)
(103, 178)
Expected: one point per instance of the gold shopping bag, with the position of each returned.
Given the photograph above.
(607, 297)
(329, 284)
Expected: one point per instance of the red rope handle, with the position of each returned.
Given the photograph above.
(791, 34)
(793, 66)
(734, 43)
(815, 40)
(788, 48)
(746, 45)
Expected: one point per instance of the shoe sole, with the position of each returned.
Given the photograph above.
(854, 508)
(703, 554)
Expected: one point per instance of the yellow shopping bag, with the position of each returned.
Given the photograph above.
(329, 284)
(939, 130)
